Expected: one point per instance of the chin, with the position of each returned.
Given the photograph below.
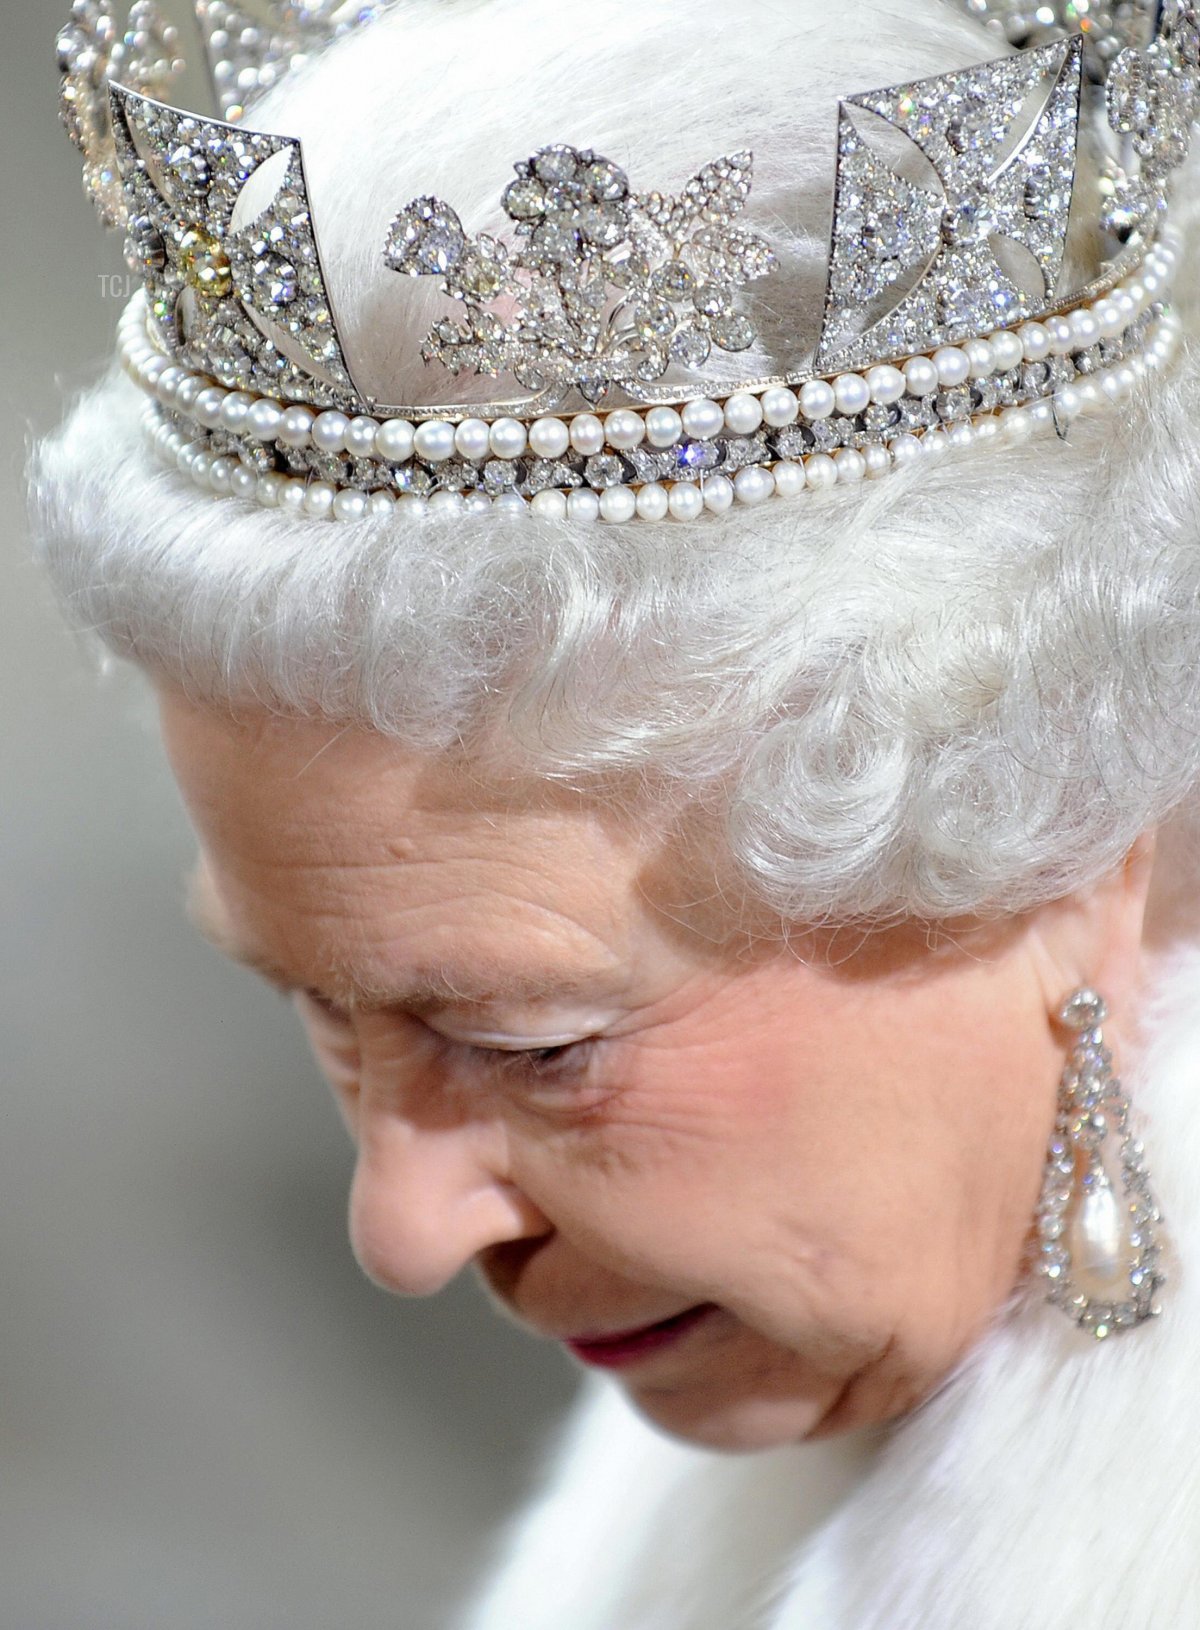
(733, 1423)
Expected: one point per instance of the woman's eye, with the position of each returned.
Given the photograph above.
(546, 1063)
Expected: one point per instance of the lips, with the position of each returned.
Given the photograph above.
(627, 1346)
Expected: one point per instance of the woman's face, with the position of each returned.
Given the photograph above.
(832, 1147)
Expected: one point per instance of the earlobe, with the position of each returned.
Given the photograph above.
(1095, 936)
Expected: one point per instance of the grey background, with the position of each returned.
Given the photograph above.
(206, 1416)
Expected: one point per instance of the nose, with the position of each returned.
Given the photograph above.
(426, 1200)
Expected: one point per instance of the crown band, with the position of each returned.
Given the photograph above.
(660, 462)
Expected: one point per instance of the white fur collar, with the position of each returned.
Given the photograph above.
(1052, 1484)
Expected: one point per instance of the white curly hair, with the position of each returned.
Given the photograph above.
(966, 689)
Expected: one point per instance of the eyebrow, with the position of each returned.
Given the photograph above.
(428, 986)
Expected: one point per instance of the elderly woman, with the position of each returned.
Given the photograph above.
(717, 770)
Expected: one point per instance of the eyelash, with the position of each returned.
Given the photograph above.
(542, 1063)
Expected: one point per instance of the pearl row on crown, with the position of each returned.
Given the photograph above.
(213, 408)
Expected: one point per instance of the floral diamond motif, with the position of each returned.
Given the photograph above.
(607, 287)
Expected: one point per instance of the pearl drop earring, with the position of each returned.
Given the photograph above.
(1099, 1245)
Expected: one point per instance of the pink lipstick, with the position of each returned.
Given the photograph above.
(627, 1346)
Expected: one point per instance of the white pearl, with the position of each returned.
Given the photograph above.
(703, 419)
(878, 461)
(820, 472)
(905, 450)
(887, 384)
(851, 394)
(1007, 350)
(207, 410)
(625, 429)
(960, 436)
(549, 505)
(446, 503)
(291, 495)
(381, 505)
(395, 440)
(318, 499)
(718, 494)
(986, 429)
(743, 413)
(1042, 413)
(1110, 384)
(270, 487)
(295, 427)
(921, 376)
(664, 427)
(166, 384)
(583, 505)
(1097, 1240)
(653, 504)
(243, 483)
(187, 391)
(1108, 315)
(851, 466)
(686, 501)
(329, 431)
(1085, 329)
(509, 438)
(473, 439)
(549, 438)
(1152, 283)
(433, 440)
(1035, 342)
(412, 506)
(264, 419)
(753, 485)
(360, 436)
(780, 407)
(789, 479)
(817, 399)
(220, 475)
(155, 369)
(510, 503)
(587, 433)
(1125, 304)
(1061, 338)
(981, 358)
(234, 410)
(1068, 402)
(477, 503)
(349, 505)
(1090, 394)
(618, 504)
(953, 366)
(199, 467)
(934, 443)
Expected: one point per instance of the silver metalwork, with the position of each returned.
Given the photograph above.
(1100, 1248)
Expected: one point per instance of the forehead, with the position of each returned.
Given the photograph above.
(386, 859)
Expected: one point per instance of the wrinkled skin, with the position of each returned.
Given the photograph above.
(836, 1138)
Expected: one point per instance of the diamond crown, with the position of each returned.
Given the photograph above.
(604, 290)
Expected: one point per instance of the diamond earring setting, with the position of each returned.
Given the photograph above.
(1098, 1224)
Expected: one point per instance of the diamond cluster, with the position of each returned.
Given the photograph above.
(1099, 1250)
(607, 287)
(940, 249)
(245, 302)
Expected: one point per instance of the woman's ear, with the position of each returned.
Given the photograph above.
(1095, 936)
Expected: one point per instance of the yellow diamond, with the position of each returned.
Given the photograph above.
(204, 263)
